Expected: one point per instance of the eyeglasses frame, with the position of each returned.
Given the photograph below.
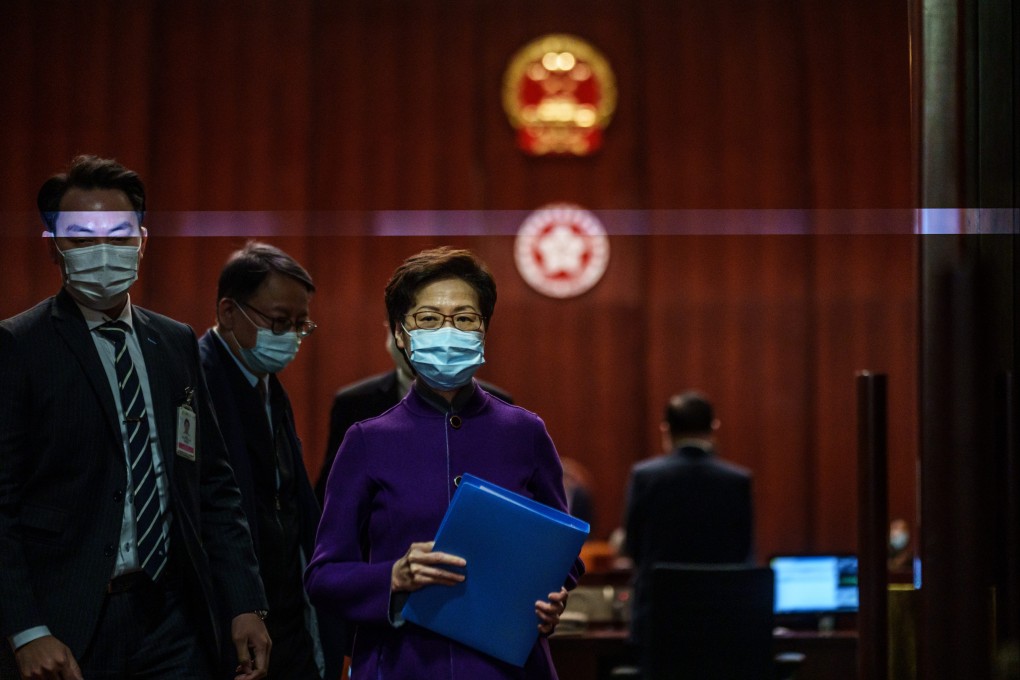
(308, 325)
(481, 319)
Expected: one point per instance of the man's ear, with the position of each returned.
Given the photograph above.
(145, 239)
(51, 245)
(665, 438)
(225, 312)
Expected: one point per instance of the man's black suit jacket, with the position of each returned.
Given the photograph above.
(688, 506)
(63, 478)
(238, 418)
(365, 399)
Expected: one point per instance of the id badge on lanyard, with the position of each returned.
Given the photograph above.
(187, 428)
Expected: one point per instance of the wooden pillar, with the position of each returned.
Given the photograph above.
(967, 147)
(872, 526)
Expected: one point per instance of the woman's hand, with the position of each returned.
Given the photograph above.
(422, 567)
(549, 612)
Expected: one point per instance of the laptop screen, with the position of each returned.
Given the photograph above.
(815, 584)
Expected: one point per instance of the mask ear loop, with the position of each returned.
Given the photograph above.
(64, 275)
(404, 352)
(240, 308)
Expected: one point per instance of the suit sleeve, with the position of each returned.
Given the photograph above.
(633, 519)
(225, 533)
(19, 609)
(337, 428)
(341, 577)
(747, 528)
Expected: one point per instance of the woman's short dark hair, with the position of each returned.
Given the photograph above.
(437, 264)
(689, 413)
(90, 172)
(248, 267)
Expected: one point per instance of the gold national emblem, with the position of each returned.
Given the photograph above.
(559, 94)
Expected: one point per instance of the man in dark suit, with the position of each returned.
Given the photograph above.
(117, 532)
(687, 506)
(261, 319)
(369, 398)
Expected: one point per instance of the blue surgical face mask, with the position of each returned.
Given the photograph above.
(271, 352)
(100, 274)
(898, 540)
(446, 358)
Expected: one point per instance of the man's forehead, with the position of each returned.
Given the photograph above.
(97, 223)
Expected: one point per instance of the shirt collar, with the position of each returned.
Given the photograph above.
(460, 400)
(702, 445)
(252, 379)
(94, 318)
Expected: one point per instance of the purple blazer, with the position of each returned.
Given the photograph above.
(390, 486)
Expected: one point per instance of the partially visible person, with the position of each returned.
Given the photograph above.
(395, 475)
(117, 532)
(688, 506)
(262, 317)
(577, 483)
(901, 552)
(370, 397)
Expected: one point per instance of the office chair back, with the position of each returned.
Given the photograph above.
(710, 622)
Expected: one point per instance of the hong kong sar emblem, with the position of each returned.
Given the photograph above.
(559, 94)
(561, 250)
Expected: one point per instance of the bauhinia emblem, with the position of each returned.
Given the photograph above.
(561, 250)
(559, 94)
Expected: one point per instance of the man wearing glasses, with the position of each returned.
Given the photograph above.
(261, 321)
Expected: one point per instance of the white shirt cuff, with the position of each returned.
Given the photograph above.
(24, 637)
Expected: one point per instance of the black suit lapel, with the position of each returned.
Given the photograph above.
(160, 388)
(248, 400)
(71, 326)
(248, 409)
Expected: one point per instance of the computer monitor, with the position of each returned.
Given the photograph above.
(815, 584)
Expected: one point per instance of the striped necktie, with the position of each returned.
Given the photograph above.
(152, 554)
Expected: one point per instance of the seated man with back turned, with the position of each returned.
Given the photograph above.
(687, 506)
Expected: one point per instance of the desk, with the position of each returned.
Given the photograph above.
(827, 656)
(593, 654)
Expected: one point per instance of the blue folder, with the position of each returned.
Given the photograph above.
(517, 551)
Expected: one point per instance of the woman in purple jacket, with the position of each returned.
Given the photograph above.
(395, 475)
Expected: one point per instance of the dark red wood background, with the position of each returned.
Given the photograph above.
(737, 119)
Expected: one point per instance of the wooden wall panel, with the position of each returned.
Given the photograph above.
(866, 302)
(743, 318)
(731, 318)
(325, 112)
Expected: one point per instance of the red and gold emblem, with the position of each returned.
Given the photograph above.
(559, 94)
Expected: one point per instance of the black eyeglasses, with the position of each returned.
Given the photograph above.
(462, 321)
(279, 325)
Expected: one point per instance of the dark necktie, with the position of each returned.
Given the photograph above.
(152, 554)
